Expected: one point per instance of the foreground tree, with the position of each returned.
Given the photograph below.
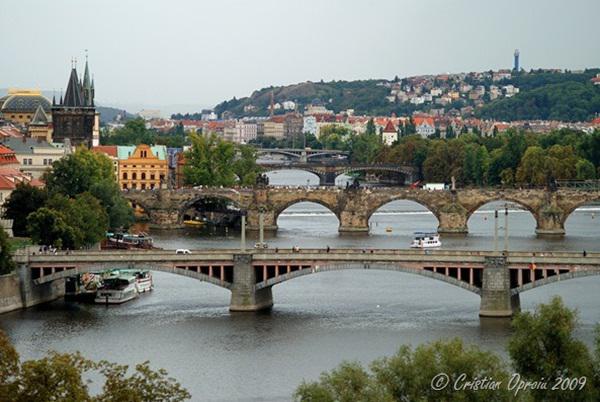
(24, 200)
(407, 376)
(543, 346)
(60, 377)
(6, 262)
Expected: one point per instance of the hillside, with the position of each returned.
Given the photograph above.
(565, 97)
(363, 96)
(543, 94)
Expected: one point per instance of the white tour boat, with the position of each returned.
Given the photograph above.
(143, 281)
(426, 240)
(117, 290)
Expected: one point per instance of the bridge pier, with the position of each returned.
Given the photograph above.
(452, 220)
(164, 219)
(244, 296)
(496, 298)
(353, 222)
(550, 222)
(253, 220)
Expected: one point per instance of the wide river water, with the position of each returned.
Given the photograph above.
(318, 321)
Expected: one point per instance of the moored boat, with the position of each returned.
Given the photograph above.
(117, 290)
(426, 240)
(127, 241)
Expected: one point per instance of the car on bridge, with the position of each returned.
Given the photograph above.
(182, 251)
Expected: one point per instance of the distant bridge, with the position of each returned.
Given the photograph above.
(353, 208)
(301, 155)
(328, 171)
(498, 279)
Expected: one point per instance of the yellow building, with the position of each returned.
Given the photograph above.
(20, 105)
(143, 167)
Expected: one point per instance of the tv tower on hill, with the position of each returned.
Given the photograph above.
(516, 63)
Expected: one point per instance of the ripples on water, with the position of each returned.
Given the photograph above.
(318, 320)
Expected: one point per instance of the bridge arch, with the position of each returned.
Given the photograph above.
(588, 201)
(488, 218)
(279, 209)
(219, 275)
(363, 266)
(231, 198)
(555, 278)
(502, 197)
(422, 219)
(371, 209)
(316, 177)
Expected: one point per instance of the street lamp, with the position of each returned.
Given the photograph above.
(505, 227)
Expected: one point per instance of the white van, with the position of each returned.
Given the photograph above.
(182, 251)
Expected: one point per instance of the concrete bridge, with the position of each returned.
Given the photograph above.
(329, 171)
(301, 154)
(354, 207)
(498, 279)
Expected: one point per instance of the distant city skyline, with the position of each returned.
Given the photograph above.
(183, 56)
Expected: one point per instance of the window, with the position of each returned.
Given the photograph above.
(144, 176)
(152, 177)
(125, 176)
(45, 162)
(124, 186)
(152, 186)
(134, 176)
(143, 186)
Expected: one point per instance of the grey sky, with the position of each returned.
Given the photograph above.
(196, 53)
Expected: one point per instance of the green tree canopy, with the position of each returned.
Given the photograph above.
(24, 200)
(76, 173)
(543, 346)
(65, 377)
(211, 161)
(6, 262)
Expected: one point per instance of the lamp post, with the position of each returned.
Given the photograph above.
(243, 233)
(261, 228)
(496, 230)
(505, 227)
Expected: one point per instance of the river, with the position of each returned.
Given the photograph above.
(185, 327)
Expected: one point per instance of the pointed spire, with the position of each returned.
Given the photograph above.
(73, 96)
(53, 100)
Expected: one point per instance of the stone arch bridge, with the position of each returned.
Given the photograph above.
(328, 172)
(250, 276)
(354, 207)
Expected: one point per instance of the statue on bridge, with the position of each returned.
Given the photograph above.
(354, 186)
(262, 180)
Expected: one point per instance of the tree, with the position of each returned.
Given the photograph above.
(245, 166)
(48, 226)
(209, 162)
(585, 170)
(365, 147)
(60, 377)
(532, 169)
(7, 264)
(76, 173)
(120, 213)
(407, 376)
(24, 200)
(133, 133)
(543, 346)
(334, 136)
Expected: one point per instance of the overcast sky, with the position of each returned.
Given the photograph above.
(151, 53)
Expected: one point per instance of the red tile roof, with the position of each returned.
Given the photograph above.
(110, 150)
(419, 120)
(389, 127)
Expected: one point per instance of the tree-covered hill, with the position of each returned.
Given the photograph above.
(548, 96)
(544, 94)
(363, 96)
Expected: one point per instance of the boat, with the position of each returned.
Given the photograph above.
(117, 290)
(127, 241)
(143, 281)
(194, 223)
(426, 240)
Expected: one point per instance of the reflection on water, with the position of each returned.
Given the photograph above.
(317, 321)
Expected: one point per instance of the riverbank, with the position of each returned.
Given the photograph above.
(17, 291)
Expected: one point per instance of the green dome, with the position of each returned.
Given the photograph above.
(24, 103)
